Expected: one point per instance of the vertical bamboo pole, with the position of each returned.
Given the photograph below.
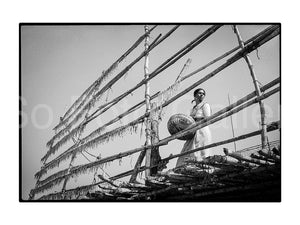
(155, 156)
(232, 125)
(148, 107)
(76, 142)
(257, 89)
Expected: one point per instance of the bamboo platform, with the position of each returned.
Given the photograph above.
(237, 176)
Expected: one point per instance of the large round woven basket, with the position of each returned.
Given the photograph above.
(179, 122)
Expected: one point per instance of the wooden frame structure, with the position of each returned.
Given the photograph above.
(80, 112)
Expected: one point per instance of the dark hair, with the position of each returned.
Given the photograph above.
(199, 89)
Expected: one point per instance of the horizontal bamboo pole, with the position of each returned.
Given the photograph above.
(241, 158)
(241, 137)
(256, 156)
(166, 140)
(267, 154)
(120, 59)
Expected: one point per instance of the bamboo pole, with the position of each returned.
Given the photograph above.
(185, 67)
(137, 166)
(268, 154)
(232, 129)
(155, 156)
(148, 106)
(256, 86)
(256, 156)
(127, 173)
(70, 165)
(198, 125)
(241, 158)
(239, 102)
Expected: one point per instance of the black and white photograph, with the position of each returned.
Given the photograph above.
(150, 112)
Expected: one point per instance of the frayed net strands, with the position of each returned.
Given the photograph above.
(80, 191)
(164, 96)
(52, 177)
(75, 132)
(75, 116)
(85, 144)
(105, 74)
(62, 175)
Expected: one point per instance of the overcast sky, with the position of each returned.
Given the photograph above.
(59, 62)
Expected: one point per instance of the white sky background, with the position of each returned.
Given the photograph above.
(60, 62)
(13, 12)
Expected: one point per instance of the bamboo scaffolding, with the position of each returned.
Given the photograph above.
(244, 99)
(87, 93)
(255, 82)
(199, 125)
(198, 70)
(258, 43)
